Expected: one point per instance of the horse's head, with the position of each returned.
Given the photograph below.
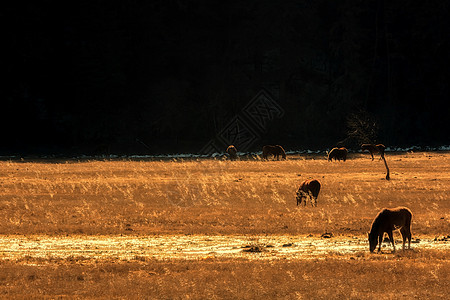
(372, 241)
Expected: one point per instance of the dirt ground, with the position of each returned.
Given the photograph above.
(194, 247)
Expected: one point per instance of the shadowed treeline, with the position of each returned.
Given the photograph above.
(99, 77)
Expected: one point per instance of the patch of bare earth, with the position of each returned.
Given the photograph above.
(194, 247)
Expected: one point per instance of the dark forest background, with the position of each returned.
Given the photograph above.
(135, 77)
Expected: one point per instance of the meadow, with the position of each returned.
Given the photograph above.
(215, 197)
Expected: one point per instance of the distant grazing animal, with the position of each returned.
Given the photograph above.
(308, 188)
(276, 151)
(388, 220)
(338, 154)
(232, 152)
(374, 149)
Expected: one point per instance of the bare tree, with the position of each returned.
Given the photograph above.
(362, 127)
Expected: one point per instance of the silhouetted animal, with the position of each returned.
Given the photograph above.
(308, 188)
(388, 220)
(232, 152)
(338, 154)
(276, 151)
(374, 149)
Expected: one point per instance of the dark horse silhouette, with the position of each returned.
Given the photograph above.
(308, 188)
(338, 154)
(374, 149)
(276, 151)
(232, 152)
(388, 220)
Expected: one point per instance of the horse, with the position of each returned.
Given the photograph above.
(338, 154)
(387, 220)
(232, 152)
(308, 188)
(276, 151)
(374, 149)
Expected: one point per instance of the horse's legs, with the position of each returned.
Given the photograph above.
(371, 155)
(391, 238)
(408, 236)
(380, 241)
(313, 198)
(406, 231)
(409, 239)
(300, 197)
(404, 235)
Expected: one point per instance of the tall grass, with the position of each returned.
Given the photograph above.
(224, 197)
(221, 197)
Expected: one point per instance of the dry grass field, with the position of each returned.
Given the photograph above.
(205, 197)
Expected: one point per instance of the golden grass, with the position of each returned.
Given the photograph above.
(418, 274)
(220, 197)
(212, 197)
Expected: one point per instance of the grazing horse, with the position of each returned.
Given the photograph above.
(232, 152)
(276, 151)
(338, 154)
(374, 149)
(308, 188)
(388, 220)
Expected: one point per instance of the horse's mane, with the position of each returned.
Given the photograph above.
(377, 222)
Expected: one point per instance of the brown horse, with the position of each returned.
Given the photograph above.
(276, 151)
(374, 149)
(308, 188)
(388, 220)
(232, 152)
(338, 154)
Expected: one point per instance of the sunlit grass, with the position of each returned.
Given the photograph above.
(212, 197)
(419, 274)
(221, 197)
